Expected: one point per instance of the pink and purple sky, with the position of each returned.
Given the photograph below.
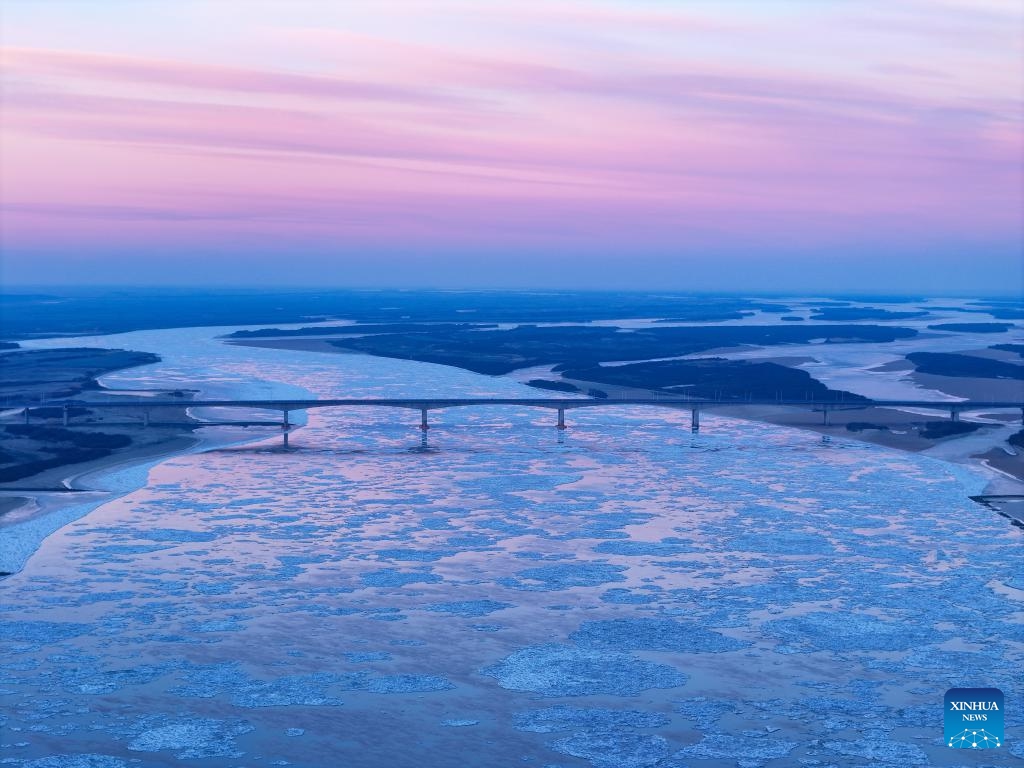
(813, 145)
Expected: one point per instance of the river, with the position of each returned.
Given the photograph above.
(623, 594)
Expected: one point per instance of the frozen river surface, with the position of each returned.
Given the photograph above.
(622, 596)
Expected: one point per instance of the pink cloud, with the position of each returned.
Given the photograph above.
(79, 65)
(437, 143)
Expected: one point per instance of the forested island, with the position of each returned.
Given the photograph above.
(497, 352)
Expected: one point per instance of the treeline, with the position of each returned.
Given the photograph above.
(716, 379)
(64, 446)
(968, 366)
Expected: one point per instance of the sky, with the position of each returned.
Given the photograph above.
(776, 145)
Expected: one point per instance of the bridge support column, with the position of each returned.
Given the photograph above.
(423, 420)
(1022, 417)
(26, 414)
(695, 420)
(285, 422)
(826, 416)
(561, 418)
(145, 418)
(954, 414)
(67, 414)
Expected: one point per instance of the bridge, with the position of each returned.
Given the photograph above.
(558, 404)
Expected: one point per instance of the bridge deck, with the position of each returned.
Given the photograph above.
(561, 404)
(432, 403)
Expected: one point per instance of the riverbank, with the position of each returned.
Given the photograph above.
(33, 510)
(51, 460)
(34, 506)
(71, 479)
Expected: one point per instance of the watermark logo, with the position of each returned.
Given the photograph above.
(974, 718)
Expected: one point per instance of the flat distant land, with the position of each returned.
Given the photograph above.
(76, 312)
(489, 351)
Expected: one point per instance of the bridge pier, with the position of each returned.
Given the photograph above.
(826, 416)
(954, 414)
(285, 423)
(67, 414)
(26, 414)
(145, 418)
(561, 418)
(695, 420)
(423, 420)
